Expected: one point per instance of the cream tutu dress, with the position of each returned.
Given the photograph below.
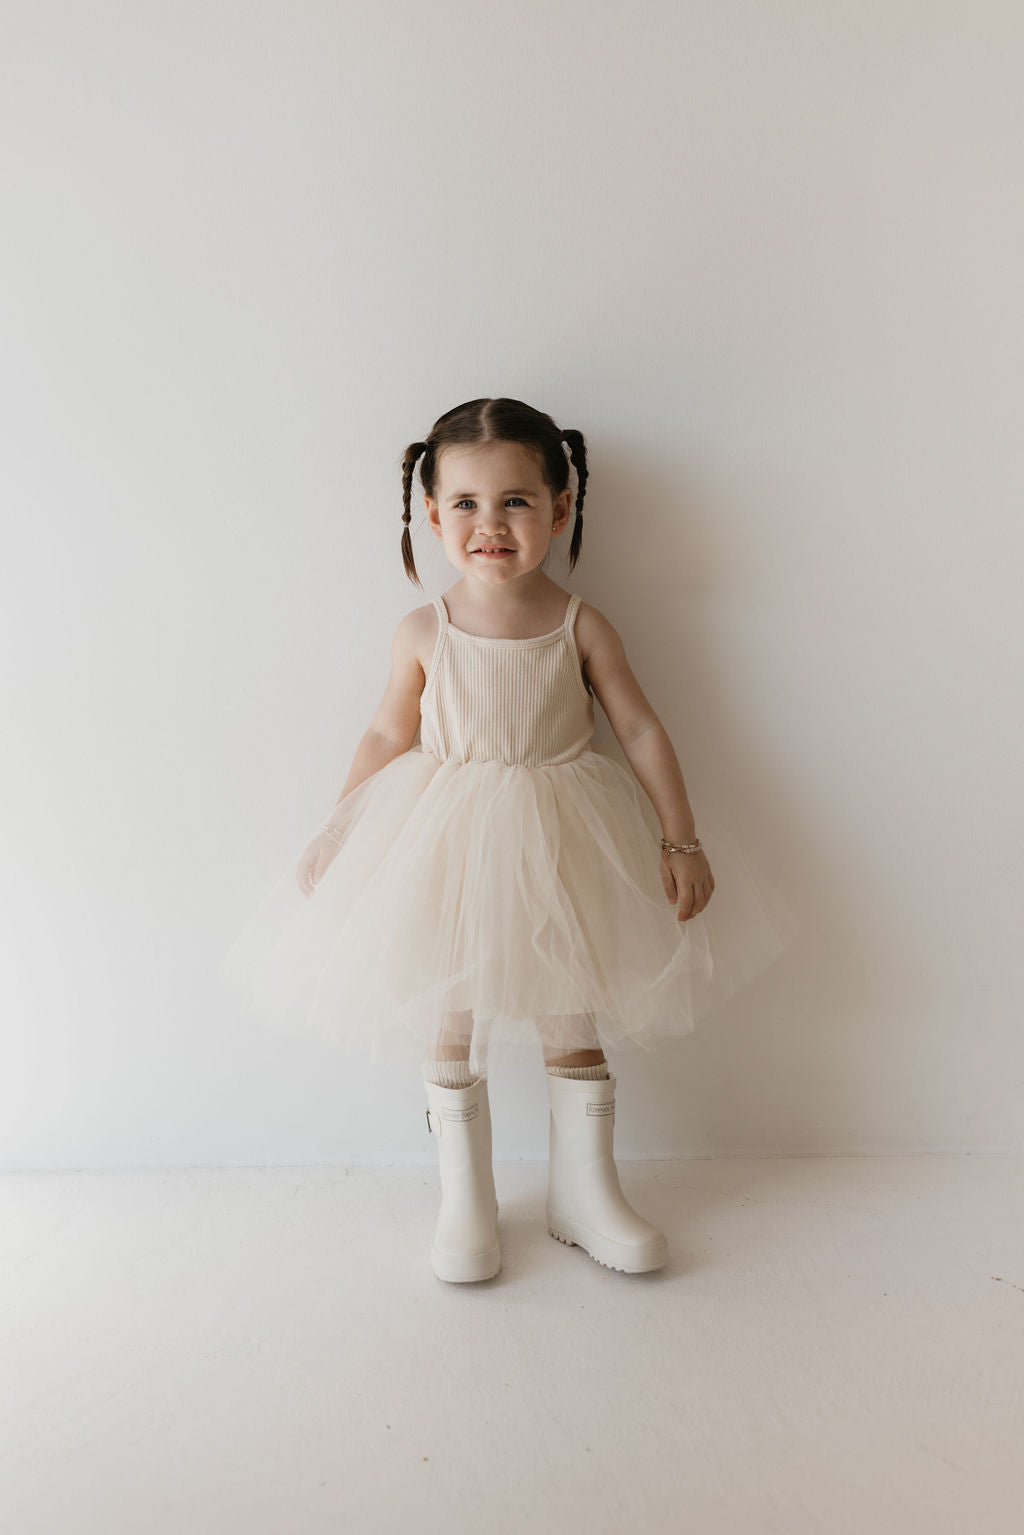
(500, 881)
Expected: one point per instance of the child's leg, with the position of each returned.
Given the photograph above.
(447, 1061)
(585, 1058)
(577, 1058)
(451, 1043)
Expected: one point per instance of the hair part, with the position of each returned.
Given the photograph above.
(503, 420)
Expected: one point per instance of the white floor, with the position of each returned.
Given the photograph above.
(836, 1345)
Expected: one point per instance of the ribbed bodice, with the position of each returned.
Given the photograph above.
(510, 700)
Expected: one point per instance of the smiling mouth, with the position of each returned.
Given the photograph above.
(492, 551)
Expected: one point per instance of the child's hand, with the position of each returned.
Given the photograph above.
(313, 864)
(688, 879)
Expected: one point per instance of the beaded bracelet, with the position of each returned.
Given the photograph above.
(669, 847)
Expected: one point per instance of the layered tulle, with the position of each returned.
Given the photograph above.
(505, 906)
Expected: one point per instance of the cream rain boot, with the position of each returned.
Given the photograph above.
(585, 1205)
(465, 1245)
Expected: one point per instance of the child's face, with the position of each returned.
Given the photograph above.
(494, 496)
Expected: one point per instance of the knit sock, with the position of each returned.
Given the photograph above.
(449, 1073)
(591, 1073)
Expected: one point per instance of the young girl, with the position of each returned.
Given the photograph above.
(500, 881)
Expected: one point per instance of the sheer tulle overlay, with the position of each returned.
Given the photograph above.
(505, 906)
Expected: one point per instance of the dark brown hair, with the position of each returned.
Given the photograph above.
(479, 421)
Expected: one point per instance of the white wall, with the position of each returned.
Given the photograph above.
(767, 258)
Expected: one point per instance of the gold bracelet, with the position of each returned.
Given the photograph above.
(685, 847)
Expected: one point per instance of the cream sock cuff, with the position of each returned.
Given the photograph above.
(449, 1073)
(591, 1073)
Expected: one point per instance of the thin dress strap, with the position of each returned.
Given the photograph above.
(567, 625)
(442, 629)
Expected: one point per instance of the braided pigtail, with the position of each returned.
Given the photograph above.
(412, 453)
(578, 453)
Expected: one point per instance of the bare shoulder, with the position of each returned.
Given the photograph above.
(594, 632)
(414, 640)
(398, 713)
(609, 674)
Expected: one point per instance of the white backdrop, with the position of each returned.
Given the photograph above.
(767, 258)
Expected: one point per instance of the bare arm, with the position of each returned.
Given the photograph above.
(391, 732)
(637, 728)
(687, 877)
(393, 728)
(653, 759)
(373, 752)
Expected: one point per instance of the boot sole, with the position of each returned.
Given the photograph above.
(465, 1268)
(611, 1255)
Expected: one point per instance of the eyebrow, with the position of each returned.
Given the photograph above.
(517, 490)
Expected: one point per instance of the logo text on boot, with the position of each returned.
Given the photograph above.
(461, 1114)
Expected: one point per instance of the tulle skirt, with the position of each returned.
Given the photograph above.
(505, 907)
